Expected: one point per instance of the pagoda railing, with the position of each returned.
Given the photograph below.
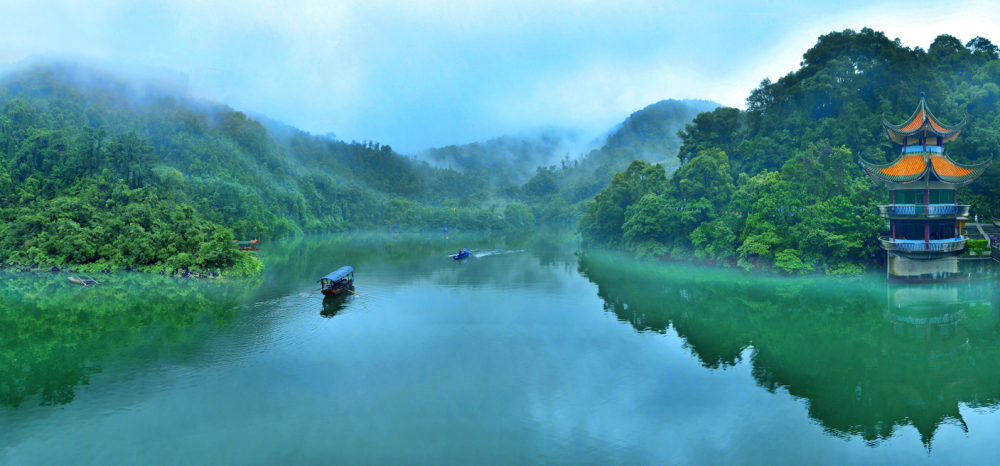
(922, 211)
(919, 246)
(920, 149)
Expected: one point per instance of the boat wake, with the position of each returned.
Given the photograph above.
(494, 252)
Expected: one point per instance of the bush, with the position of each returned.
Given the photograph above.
(978, 244)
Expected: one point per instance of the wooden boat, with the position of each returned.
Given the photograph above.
(461, 255)
(82, 281)
(338, 281)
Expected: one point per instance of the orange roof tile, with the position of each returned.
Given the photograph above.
(937, 127)
(915, 123)
(908, 165)
(944, 167)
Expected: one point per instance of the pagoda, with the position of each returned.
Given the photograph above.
(925, 218)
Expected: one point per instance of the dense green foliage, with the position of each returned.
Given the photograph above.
(98, 173)
(777, 185)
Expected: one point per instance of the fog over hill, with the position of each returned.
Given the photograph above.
(648, 134)
(113, 167)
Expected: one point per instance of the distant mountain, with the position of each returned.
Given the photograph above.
(506, 160)
(651, 133)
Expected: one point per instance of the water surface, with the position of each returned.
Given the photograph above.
(530, 352)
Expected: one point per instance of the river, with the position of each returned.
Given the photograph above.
(529, 352)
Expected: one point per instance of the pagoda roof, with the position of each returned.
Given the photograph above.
(912, 167)
(921, 122)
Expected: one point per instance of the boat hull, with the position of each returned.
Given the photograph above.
(334, 291)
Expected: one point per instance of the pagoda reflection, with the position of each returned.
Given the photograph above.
(900, 269)
(868, 357)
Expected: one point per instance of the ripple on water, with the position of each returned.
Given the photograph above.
(493, 252)
(287, 325)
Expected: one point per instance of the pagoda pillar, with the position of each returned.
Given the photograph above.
(927, 210)
(893, 223)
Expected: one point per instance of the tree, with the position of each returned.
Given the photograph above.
(519, 216)
(396, 210)
(131, 159)
(722, 128)
(984, 46)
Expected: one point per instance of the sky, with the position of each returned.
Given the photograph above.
(421, 74)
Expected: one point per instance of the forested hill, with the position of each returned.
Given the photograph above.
(649, 134)
(779, 185)
(106, 172)
(98, 170)
(504, 161)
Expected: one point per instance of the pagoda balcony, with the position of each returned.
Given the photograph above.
(920, 150)
(921, 246)
(923, 211)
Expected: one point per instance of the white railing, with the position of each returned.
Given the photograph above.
(933, 210)
(916, 246)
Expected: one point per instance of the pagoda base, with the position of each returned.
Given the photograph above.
(925, 268)
(920, 250)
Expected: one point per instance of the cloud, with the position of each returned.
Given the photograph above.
(421, 74)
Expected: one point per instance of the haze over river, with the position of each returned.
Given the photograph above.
(529, 352)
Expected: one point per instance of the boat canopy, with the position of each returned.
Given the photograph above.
(338, 274)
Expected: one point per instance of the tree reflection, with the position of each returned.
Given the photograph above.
(55, 336)
(866, 356)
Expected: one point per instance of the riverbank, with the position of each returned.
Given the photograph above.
(244, 264)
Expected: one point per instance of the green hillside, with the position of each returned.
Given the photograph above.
(107, 174)
(559, 193)
(779, 185)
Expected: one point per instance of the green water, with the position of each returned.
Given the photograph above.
(530, 352)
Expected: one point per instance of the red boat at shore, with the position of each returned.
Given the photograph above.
(252, 245)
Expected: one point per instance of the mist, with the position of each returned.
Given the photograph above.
(433, 74)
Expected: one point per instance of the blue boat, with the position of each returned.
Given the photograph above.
(461, 255)
(338, 281)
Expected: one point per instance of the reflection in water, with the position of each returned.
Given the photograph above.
(515, 338)
(867, 356)
(951, 268)
(332, 305)
(54, 336)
